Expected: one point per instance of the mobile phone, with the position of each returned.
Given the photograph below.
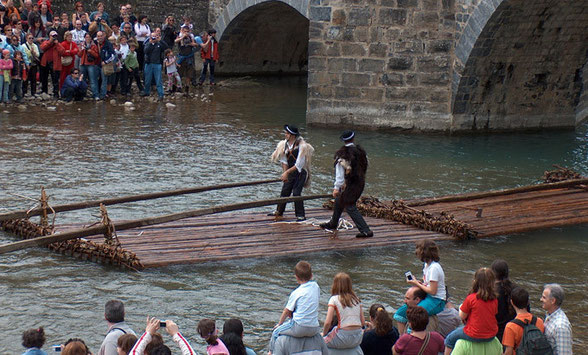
(57, 348)
(409, 276)
(162, 324)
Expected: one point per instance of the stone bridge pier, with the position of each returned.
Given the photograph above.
(427, 65)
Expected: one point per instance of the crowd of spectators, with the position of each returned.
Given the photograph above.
(494, 319)
(96, 55)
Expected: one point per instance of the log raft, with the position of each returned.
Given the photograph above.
(240, 235)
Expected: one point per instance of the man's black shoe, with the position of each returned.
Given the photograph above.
(365, 235)
(300, 218)
(327, 225)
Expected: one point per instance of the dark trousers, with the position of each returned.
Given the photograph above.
(294, 187)
(44, 76)
(16, 89)
(127, 80)
(32, 79)
(73, 94)
(113, 81)
(207, 62)
(353, 212)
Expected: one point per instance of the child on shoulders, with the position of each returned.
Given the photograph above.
(302, 307)
(479, 310)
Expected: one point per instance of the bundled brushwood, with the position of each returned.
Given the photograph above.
(561, 174)
(83, 249)
(104, 253)
(24, 228)
(400, 212)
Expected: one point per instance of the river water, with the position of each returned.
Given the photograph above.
(90, 150)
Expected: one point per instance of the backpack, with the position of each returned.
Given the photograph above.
(534, 342)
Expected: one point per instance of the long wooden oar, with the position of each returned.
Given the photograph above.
(85, 232)
(133, 198)
(478, 195)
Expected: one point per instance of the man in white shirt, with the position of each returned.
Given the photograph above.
(558, 329)
(294, 155)
(77, 36)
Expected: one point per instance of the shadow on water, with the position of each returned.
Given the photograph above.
(93, 150)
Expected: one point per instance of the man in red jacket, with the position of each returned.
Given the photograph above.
(209, 55)
(51, 63)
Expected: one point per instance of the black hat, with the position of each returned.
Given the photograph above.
(291, 129)
(347, 136)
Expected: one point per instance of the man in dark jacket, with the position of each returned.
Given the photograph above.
(74, 87)
(153, 50)
(350, 167)
(107, 57)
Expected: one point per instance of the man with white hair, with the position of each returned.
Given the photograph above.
(558, 329)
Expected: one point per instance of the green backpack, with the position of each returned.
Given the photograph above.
(534, 342)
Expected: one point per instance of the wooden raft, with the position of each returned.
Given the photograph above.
(251, 235)
(254, 235)
(514, 213)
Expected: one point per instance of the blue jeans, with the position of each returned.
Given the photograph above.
(4, 86)
(458, 333)
(433, 305)
(91, 74)
(207, 62)
(104, 81)
(153, 71)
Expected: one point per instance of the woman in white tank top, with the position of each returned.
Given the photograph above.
(346, 307)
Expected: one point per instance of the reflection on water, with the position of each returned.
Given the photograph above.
(102, 151)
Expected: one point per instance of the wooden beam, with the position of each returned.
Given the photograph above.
(478, 195)
(132, 198)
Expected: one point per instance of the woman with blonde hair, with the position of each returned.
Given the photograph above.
(346, 306)
(70, 50)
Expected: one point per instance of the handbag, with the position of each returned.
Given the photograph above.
(66, 60)
(108, 69)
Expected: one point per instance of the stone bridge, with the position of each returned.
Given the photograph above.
(431, 65)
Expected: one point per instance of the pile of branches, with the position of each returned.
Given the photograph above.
(104, 253)
(24, 228)
(561, 174)
(83, 249)
(398, 211)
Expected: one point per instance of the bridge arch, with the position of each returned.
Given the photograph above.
(519, 64)
(263, 37)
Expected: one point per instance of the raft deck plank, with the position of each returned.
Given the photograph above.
(239, 235)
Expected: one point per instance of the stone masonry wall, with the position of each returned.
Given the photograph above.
(156, 10)
(525, 70)
(582, 109)
(381, 63)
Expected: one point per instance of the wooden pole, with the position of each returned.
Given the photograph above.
(133, 198)
(477, 195)
(79, 233)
